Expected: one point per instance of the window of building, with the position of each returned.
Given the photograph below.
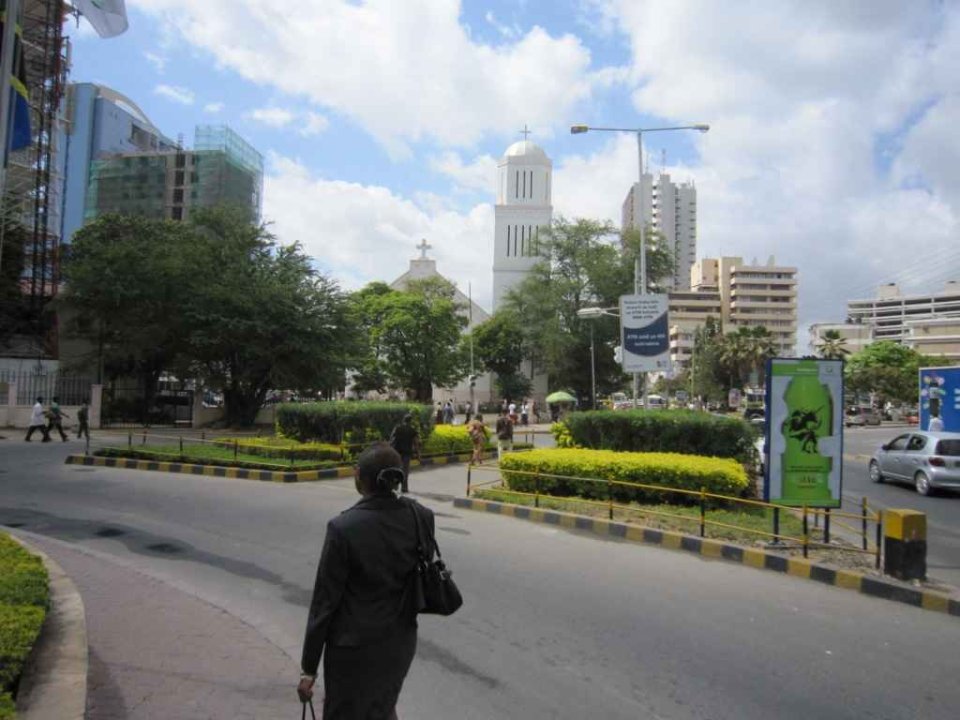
(178, 178)
(177, 213)
(516, 189)
(508, 241)
(178, 196)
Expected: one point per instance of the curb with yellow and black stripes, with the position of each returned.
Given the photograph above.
(717, 549)
(280, 476)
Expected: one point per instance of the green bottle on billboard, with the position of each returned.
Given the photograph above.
(806, 473)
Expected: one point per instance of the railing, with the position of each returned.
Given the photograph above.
(71, 390)
(703, 498)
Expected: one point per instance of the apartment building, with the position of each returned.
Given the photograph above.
(688, 311)
(855, 336)
(890, 312)
(671, 209)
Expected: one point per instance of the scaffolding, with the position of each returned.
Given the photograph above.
(34, 184)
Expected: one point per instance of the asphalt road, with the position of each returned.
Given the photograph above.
(942, 509)
(556, 624)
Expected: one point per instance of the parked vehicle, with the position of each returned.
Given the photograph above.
(861, 415)
(927, 460)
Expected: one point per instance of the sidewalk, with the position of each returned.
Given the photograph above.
(157, 652)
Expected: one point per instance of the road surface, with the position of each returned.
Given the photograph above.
(556, 624)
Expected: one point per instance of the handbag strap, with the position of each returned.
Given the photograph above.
(303, 714)
(424, 557)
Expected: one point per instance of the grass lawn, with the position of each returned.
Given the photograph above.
(208, 454)
(746, 519)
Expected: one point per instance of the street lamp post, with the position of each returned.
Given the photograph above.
(640, 262)
(594, 313)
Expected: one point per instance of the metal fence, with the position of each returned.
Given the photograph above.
(70, 389)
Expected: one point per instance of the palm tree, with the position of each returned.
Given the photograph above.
(733, 356)
(760, 347)
(832, 346)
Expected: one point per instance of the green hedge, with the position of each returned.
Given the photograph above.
(204, 456)
(677, 431)
(285, 448)
(24, 596)
(722, 476)
(351, 422)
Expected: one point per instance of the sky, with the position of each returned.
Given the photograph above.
(833, 141)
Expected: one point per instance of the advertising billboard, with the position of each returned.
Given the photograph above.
(804, 432)
(940, 397)
(645, 333)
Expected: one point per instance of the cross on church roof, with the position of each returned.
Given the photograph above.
(526, 132)
(423, 247)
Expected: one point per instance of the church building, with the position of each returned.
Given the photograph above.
(523, 207)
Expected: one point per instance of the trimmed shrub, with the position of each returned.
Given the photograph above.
(672, 431)
(722, 476)
(448, 440)
(23, 604)
(285, 449)
(357, 423)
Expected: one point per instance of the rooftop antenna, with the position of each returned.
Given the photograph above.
(663, 160)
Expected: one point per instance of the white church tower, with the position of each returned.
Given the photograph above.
(523, 207)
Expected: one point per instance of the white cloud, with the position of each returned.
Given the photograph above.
(274, 117)
(479, 175)
(177, 94)
(313, 124)
(213, 108)
(357, 233)
(801, 96)
(405, 71)
(158, 61)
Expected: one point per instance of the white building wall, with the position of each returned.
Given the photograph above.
(523, 208)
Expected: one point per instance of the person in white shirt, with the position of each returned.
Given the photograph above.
(38, 421)
(935, 425)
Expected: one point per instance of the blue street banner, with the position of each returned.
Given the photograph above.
(940, 397)
(20, 135)
(108, 17)
(645, 332)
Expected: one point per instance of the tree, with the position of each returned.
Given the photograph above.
(262, 318)
(581, 267)
(832, 346)
(498, 344)
(705, 368)
(413, 336)
(214, 299)
(125, 279)
(888, 369)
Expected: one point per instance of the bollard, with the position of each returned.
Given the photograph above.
(130, 440)
(776, 525)
(826, 526)
(86, 450)
(236, 449)
(144, 440)
(536, 490)
(905, 544)
(879, 534)
(610, 498)
(181, 449)
(469, 468)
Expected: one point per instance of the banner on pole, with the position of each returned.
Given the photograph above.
(804, 433)
(108, 17)
(645, 333)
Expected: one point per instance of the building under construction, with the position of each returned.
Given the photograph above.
(221, 169)
(31, 192)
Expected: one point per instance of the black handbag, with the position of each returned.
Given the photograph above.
(434, 592)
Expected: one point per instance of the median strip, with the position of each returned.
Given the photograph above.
(716, 549)
(279, 476)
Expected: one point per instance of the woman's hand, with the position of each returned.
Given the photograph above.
(305, 688)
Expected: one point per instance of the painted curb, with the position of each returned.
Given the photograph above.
(54, 681)
(719, 550)
(333, 473)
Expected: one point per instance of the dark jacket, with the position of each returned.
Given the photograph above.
(368, 559)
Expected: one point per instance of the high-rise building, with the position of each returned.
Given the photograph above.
(523, 208)
(670, 209)
(223, 169)
(100, 122)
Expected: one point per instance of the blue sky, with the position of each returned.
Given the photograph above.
(831, 140)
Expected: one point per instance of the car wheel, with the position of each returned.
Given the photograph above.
(922, 483)
(875, 474)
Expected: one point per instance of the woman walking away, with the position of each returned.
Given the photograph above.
(478, 434)
(360, 620)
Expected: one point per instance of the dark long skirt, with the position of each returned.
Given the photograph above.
(363, 683)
